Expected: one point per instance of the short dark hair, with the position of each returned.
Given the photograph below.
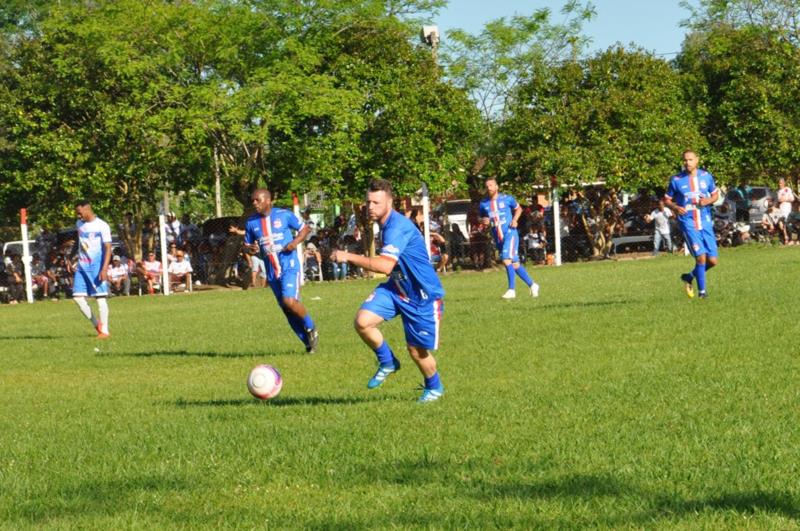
(693, 152)
(381, 185)
(82, 203)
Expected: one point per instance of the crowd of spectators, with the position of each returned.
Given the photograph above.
(196, 255)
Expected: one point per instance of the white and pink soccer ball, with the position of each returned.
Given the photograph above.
(264, 382)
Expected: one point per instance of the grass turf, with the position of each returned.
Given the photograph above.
(611, 401)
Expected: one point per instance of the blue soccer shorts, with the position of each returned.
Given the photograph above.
(87, 283)
(509, 247)
(420, 320)
(288, 285)
(701, 242)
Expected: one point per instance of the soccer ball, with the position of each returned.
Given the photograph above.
(264, 382)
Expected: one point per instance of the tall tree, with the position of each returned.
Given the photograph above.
(618, 118)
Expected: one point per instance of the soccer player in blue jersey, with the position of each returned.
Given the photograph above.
(501, 213)
(690, 195)
(413, 291)
(269, 233)
(91, 273)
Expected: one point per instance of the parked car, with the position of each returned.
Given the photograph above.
(752, 201)
(457, 211)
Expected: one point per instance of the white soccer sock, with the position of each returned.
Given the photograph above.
(102, 307)
(85, 309)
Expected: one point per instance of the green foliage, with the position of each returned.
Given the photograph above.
(745, 83)
(575, 412)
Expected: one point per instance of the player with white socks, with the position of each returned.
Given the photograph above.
(91, 278)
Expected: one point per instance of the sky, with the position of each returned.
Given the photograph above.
(652, 24)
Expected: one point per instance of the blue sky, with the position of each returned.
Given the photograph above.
(652, 24)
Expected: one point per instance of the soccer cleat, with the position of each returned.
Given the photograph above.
(702, 295)
(100, 333)
(383, 373)
(429, 395)
(687, 285)
(510, 294)
(534, 290)
(313, 340)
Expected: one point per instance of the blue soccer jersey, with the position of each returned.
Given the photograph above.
(413, 277)
(273, 233)
(500, 212)
(686, 192)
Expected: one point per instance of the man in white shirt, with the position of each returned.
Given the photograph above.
(118, 276)
(785, 203)
(774, 223)
(660, 217)
(180, 270)
(152, 272)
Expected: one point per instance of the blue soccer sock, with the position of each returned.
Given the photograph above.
(385, 355)
(296, 323)
(700, 275)
(433, 382)
(511, 276)
(523, 274)
(308, 323)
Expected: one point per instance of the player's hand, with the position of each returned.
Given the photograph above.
(291, 246)
(680, 210)
(513, 224)
(339, 256)
(253, 247)
(103, 276)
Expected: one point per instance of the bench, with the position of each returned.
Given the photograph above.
(624, 240)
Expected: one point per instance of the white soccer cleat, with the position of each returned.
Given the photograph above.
(534, 290)
(510, 294)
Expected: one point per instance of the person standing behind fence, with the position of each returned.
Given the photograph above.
(690, 195)
(91, 273)
(269, 233)
(785, 202)
(660, 217)
(501, 212)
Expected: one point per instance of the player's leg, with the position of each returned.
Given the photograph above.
(100, 292)
(296, 312)
(378, 307)
(421, 326)
(295, 322)
(696, 247)
(699, 273)
(505, 256)
(80, 290)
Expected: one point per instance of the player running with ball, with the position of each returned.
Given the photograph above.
(413, 291)
(269, 233)
(690, 195)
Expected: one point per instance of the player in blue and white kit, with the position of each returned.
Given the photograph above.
(269, 233)
(501, 213)
(91, 274)
(413, 291)
(690, 195)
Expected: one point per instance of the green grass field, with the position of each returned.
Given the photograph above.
(610, 401)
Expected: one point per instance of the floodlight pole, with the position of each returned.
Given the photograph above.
(162, 232)
(26, 255)
(556, 219)
(426, 222)
(300, 255)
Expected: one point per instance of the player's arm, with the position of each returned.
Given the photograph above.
(672, 206)
(249, 243)
(376, 264)
(106, 261)
(710, 200)
(515, 219)
(299, 238)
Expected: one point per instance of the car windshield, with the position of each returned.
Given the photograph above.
(758, 193)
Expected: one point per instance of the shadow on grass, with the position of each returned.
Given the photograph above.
(208, 354)
(587, 304)
(16, 338)
(100, 497)
(278, 401)
(778, 503)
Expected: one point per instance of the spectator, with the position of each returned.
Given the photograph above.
(660, 217)
(15, 278)
(439, 258)
(785, 202)
(535, 243)
(149, 240)
(119, 276)
(457, 242)
(40, 278)
(172, 251)
(258, 271)
(57, 272)
(773, 222)
(180, 271)
(190, 233)
(173, 229)
(151, 273)
(313, 261)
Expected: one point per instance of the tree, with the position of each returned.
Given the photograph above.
(618, 118)
(745, 83)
